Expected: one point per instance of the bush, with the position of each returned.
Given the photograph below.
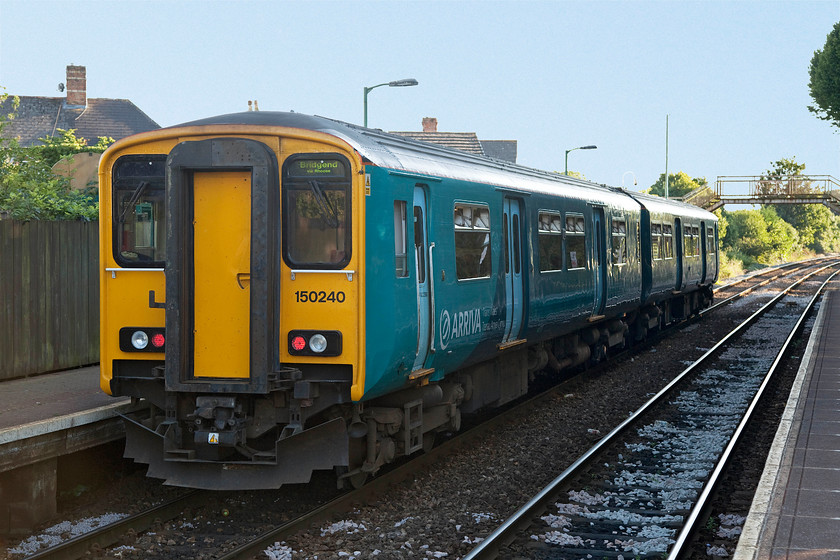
(29, 190)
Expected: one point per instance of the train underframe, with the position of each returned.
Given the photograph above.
(307, 422)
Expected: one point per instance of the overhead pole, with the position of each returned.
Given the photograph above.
(666, 155)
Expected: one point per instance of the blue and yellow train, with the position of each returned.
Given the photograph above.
(282, 293)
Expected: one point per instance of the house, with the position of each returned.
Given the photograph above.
(38, 117)
(465, 141)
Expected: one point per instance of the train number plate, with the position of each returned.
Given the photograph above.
(303, 296)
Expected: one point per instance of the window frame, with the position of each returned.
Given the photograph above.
(616, 232)
(656, 241)
(574, 234)
(156, 182)
(667, 241)
(549, 237)
(711, 248)
(473, 229)
(286, 189)
(401, 238)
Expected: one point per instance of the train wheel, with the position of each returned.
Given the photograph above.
(358, 480)
(429, 439)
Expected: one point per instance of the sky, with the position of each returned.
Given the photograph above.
(731, 78)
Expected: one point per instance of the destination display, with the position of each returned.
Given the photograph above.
(316, 168)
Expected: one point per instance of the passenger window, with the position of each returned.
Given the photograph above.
(419, 245)
(316, 211)
(667, 241)
(692, 246)
(656, 241)
(619, 241)
(472, 241)
(575, 242)
(139, 217)
(517, 264)
(400, 243)
(696, 233)
(550, 242)
(710, 241)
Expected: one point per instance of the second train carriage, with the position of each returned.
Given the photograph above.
(288, 293)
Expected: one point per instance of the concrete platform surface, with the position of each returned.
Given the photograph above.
(795, 514)
(48, 402)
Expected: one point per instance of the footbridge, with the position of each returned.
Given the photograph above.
(787, 189)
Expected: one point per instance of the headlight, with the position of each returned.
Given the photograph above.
(139, 340)
(318, 343)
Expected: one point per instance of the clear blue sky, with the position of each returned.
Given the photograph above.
(733, 76)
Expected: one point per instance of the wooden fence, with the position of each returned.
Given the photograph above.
(49, 296)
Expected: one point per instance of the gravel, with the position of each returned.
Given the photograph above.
(442, 512)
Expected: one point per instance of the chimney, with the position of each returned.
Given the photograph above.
(76, 86)
(429, 124)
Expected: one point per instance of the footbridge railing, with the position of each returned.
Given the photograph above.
(786, 189)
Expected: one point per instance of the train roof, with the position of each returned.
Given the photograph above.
(405, 154)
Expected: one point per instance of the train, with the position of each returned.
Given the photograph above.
(284, 293)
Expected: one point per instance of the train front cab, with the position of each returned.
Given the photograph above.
(260, 337)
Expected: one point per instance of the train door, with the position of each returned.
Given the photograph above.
(703, 251)
(679, 252)
(421, 252)
(599, 260)
(220, 255)
(219, 273)
(514, 295)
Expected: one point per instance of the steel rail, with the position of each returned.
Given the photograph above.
(521, 519)
(693, 518)
(804, 264)
(110, 534)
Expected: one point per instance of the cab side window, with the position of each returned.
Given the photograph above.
(139, 217)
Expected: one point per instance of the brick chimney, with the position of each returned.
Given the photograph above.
(429, 124)
(76, 86)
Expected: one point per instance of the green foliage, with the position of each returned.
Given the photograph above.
(818, 227)
(760, 236)
(784, 167)
(679, 184)
(729, 265)
(29, 190)
(66, 144)
(825, 79)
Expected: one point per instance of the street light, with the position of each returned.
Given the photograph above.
(397, 83)
(635, 182)
(572, 150)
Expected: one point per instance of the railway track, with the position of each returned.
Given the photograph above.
(641, 490)
(107, 536)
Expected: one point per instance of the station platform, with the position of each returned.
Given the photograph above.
(795, 514)
(42, 419)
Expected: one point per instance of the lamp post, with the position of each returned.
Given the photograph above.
(572, 150)
(397, 83)
(634, 178)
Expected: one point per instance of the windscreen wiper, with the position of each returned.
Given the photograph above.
(327, 210)
(135, 196)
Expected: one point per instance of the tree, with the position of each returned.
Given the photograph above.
(825, 79)
(679, 184)
(29, 190)
(760, 235)
(817, 226)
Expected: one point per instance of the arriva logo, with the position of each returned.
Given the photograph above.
(463, 323)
